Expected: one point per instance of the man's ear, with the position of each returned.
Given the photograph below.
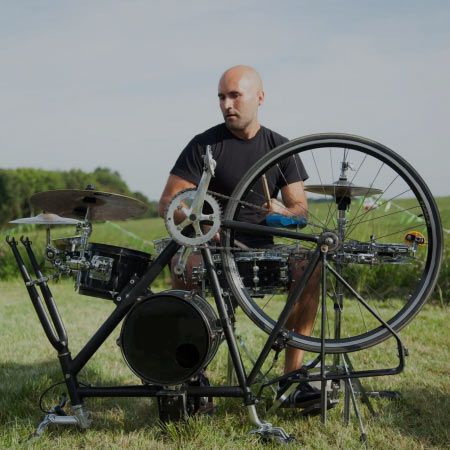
(260, 96)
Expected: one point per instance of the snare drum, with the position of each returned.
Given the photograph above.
(110, 269)
(262, 272)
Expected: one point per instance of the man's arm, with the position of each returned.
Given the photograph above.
(174, 185)
(294, 201)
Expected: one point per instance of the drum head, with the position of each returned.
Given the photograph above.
(166, 338)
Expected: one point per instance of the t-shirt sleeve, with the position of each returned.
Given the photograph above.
(292, 170)
(189, 164)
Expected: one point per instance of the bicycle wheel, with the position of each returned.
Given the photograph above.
(390, 238)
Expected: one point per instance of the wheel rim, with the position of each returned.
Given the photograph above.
(405, 205)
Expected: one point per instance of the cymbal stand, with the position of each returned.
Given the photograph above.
(86, 231)
(342, 363)
(346, 372)
(343, 204)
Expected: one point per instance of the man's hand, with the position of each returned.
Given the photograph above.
(276, 207)
(216, 237)
(174, 185)
(294, 201)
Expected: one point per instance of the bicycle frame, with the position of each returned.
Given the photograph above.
(71, 366)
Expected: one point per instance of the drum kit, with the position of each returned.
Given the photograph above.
(101, 270)
(168, 338)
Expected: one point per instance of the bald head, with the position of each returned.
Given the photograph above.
(240, 95)
(245, 74)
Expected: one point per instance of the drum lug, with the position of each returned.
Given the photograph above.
(190, 295)
(284, 277)
(255, 276)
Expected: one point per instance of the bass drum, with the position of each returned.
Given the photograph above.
(168, 337)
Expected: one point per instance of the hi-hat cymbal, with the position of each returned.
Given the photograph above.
(75, 203)
(46, 219)
(342, 189)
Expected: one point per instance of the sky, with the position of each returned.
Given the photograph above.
(127, 84)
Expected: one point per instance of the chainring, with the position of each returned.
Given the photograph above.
(182, 201)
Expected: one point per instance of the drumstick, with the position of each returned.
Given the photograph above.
(266, 190)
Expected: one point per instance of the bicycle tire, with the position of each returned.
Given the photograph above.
(425, 206)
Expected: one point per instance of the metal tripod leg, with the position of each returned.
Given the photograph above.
(350, 395)
(359, 387)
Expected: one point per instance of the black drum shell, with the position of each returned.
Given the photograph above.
(126, 263)
(168, 337)
(272, 271)
(262, 272)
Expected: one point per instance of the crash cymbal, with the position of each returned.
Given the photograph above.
(342, 189)
(75, 203)
(46, 219)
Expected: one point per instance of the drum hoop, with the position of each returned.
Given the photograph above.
(262, 256)
(116, 250)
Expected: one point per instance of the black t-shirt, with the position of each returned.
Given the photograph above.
(234, 158)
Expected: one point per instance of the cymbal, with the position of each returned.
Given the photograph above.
(341, 189)
(75, 203)
(46, 219)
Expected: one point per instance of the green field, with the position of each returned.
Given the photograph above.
(420, 419)
(28, 366)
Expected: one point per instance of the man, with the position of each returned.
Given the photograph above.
(236, 145)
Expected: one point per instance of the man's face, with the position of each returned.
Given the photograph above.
(239, 99)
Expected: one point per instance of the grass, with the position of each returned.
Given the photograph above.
(29, 365)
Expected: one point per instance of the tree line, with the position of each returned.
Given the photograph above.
(17, 185)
